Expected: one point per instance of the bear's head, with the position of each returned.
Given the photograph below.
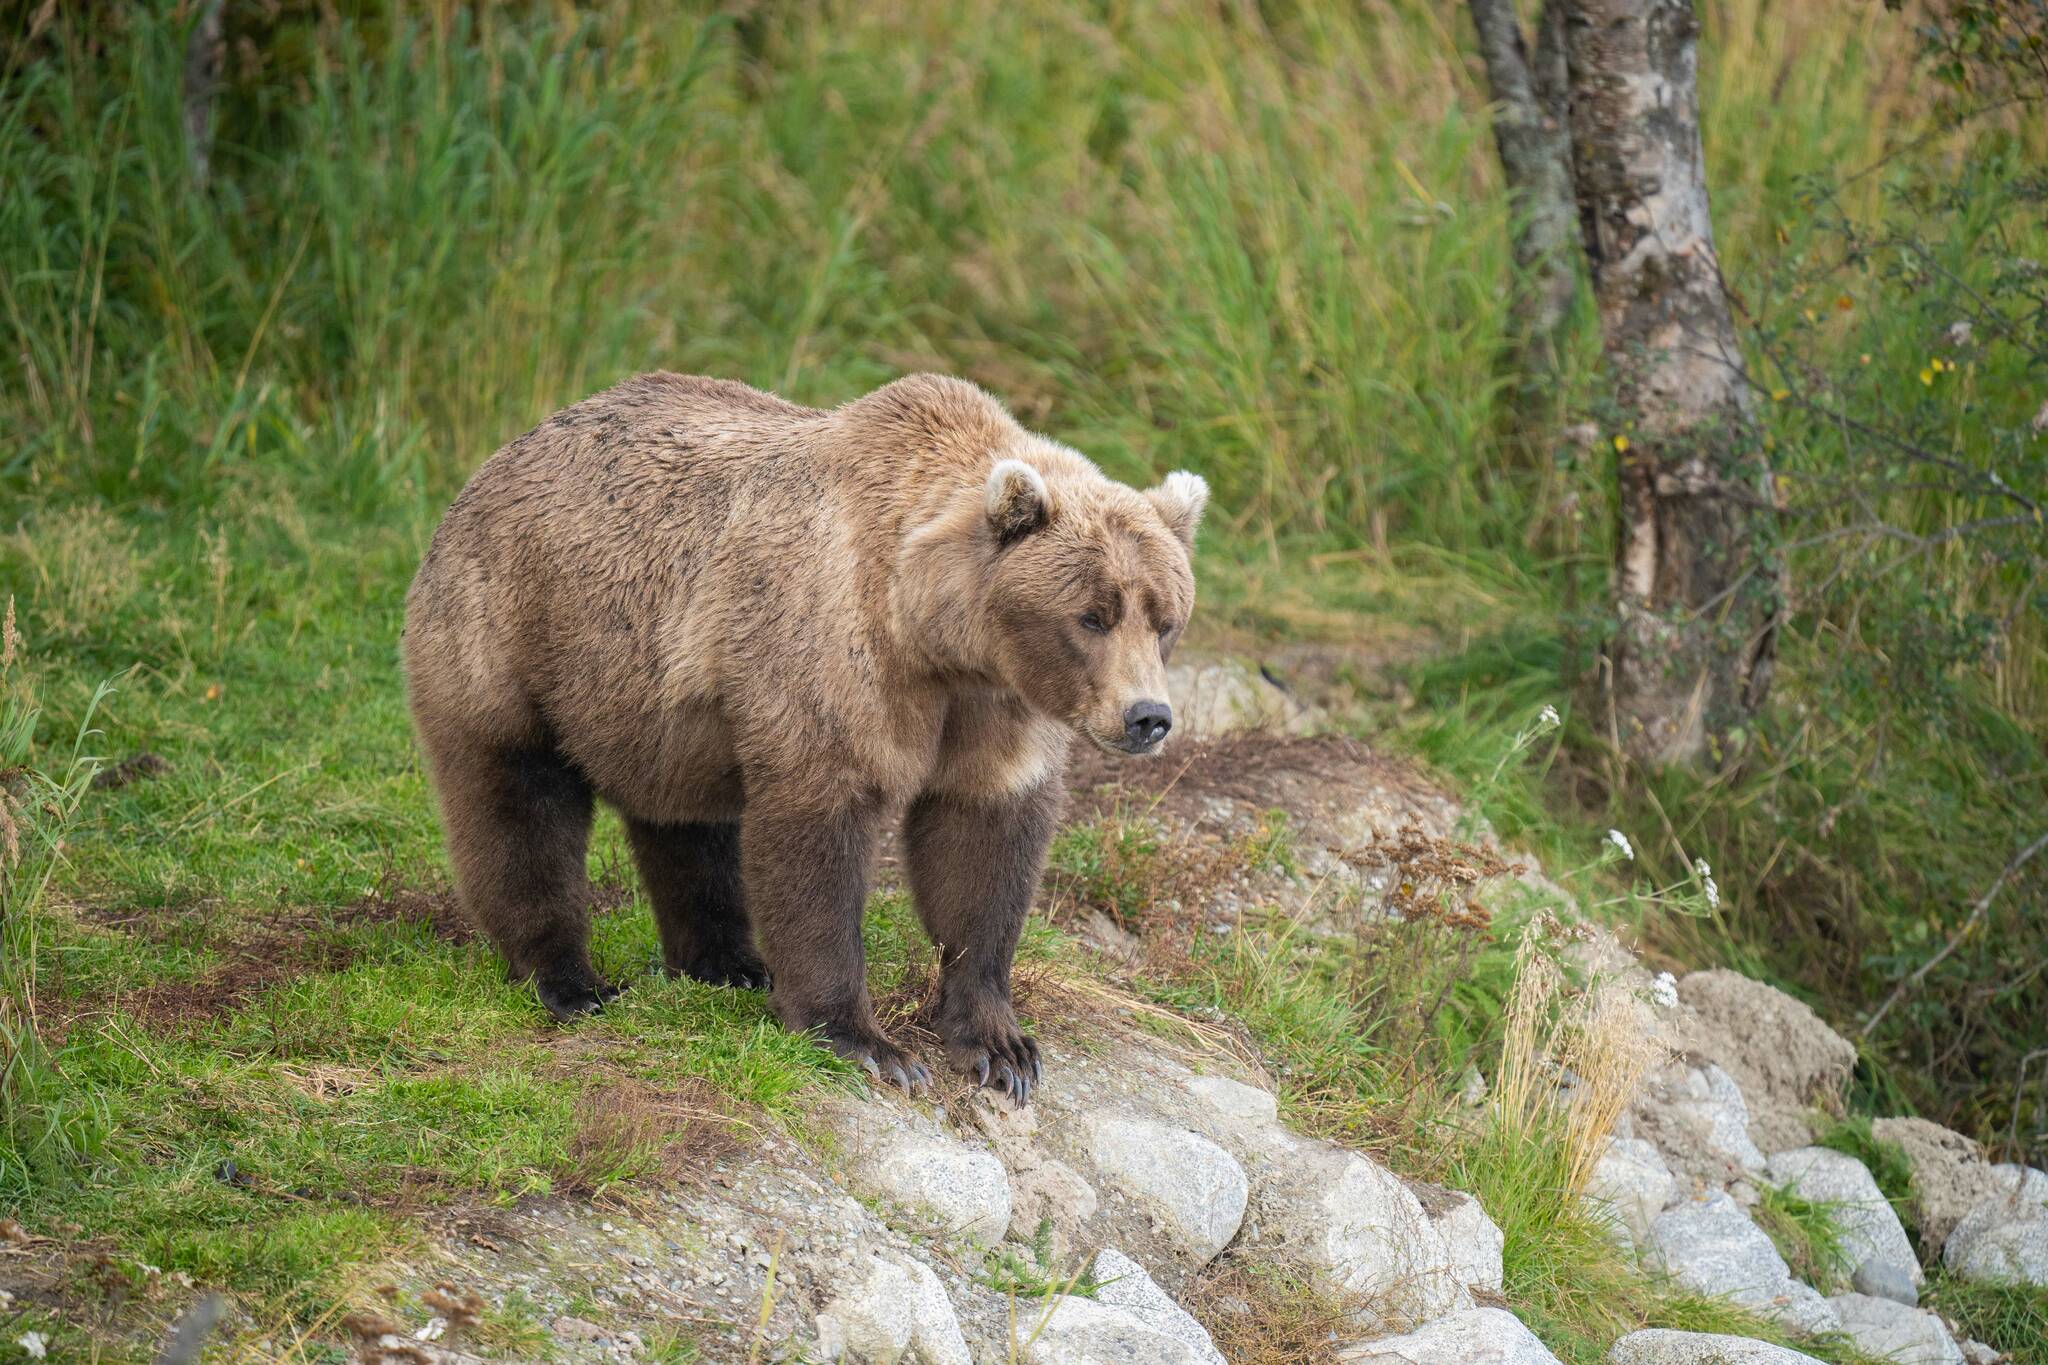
(1075, 589)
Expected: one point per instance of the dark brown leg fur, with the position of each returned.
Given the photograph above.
(518, 824)
(692, 876)
(807, 880)
(973, 869)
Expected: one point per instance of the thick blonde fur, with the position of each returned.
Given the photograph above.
(758, 630)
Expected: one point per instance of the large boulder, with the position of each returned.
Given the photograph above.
(1477, 1336)
(1196, 1190)
(1870, 1229)
(1711, 1246)
(1786, 1059)
(2004, 1237)
(1360, 1230)
(1660, 1346)
(1631, 1185)
(1894, 1332)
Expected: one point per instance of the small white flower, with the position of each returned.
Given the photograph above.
(2040, 423)
(34, 1344)
(1706, 876)
(1664, 990)
(1550, 719)
(1699, 867)
(435, 1329)
(1620, 841)
(1959, 332)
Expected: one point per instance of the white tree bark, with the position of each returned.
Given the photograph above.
(1698, 582)
(1528, 95)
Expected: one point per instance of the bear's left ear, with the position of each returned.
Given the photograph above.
(1179, 502)
(1016, 500)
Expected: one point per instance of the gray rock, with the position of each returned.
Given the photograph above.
(1476, 1336)
(1870, 1229)
(1474, 1241)
(1360, 1230)
(1196, 1187)
(1214, 697)
(1711, 1246)
(1631, 1185)
(1892, 1331)
(1234, 1100)
(964, 1189)
(1660, 1346)
(1977, 1353)
(1078, 1331)
(1125, 1285)
(1884, 1280)
(1784, 1056)
(2004, 1236)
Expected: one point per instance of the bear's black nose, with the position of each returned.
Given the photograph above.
(1146, 723)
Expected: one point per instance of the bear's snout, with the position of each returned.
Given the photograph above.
(1145, 724)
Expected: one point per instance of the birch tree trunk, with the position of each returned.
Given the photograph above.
(1697, 572)
(1529, 102)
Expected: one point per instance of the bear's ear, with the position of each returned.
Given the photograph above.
(1179, 502)
(1016, 501)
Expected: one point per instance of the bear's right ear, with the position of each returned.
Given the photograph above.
(1016, 500)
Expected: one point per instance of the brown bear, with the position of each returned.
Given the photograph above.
(759, 631)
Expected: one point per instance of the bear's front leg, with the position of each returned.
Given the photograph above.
(974, 866)
(806, 875)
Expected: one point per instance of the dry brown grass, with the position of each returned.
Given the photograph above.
(1260, 1315)
(629, 1129)
(1597, 1034)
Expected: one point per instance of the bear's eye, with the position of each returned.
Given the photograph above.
(1093, 621)
(1165, 631)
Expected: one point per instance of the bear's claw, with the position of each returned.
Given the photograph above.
(881, 1059)
(729, 967)
(568, 1000)
(1011, 1066)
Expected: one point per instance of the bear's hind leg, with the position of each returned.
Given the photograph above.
(806, 874)
(692, 876)
(518, 825)
(974, 866)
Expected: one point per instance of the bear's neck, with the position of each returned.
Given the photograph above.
(935, 597)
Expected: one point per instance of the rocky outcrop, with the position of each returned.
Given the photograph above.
(897, 1312)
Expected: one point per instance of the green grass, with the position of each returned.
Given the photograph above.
(2013, 1318)
(1807, 1234)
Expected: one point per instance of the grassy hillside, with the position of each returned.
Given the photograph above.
(1262, 241)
